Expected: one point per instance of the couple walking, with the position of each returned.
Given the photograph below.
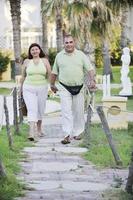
(69, 68)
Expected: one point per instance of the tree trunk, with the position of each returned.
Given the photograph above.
(59, 31)
(124, 39)
(15, 6)
(44, 29)
(106, 60)
(89, 51)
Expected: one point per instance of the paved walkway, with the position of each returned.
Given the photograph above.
(53, 171)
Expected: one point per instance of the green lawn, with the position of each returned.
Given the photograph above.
(10, 187)
(5, 91)
(116, 73)
(100, 153)
(99, 93)
(116, 194)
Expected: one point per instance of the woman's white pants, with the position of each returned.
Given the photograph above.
(35, 99)
(72, 108)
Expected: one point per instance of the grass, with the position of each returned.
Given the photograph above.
(54, 98)
(11, 187)
(100, 153)
(117, 194)
(116, 73)
(5, 91)
(99, 93)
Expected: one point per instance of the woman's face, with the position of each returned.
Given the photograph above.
(35, 51)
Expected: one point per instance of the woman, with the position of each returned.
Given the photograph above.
(36, 71)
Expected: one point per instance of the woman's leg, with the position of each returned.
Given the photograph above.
(32, 131)
(42, 96)
(39, 128)
(30, 98)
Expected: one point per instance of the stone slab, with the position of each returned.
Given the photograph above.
(55, 149)
(51, 166)
(68, 185)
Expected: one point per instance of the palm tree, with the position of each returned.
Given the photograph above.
(56, 7)
(101, 28)
(91, 21)
(44, 28)
(122, 8)
(15, 6)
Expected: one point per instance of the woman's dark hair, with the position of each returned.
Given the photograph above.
(41, 55)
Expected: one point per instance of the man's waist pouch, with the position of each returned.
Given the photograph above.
(74, 90)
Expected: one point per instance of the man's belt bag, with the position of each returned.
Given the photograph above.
(74, 90)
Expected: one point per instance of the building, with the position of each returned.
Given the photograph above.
(31, 27)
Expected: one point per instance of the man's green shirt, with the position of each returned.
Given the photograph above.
(71, 67)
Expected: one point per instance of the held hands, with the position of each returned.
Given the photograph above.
(90, 81)
(92, 85)
(53, 88)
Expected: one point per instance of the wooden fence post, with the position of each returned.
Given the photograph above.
(108, 134)
(2, 169)
(9, 135)
(15, 111)
(20, 108)
(86, 138)
(129, 184)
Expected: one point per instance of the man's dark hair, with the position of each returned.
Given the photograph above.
(67, 36)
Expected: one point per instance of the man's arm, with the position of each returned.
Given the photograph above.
(52, 82)
(90, 82)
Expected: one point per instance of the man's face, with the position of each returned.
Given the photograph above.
(69, 44)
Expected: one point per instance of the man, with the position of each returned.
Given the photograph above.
(70, 66)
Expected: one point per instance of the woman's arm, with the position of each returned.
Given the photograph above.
(48, 67)
(24, 66)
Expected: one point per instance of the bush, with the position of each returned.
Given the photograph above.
(52, 54)
(98, 57)
(4, 61)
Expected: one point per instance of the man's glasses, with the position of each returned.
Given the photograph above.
(69, 42)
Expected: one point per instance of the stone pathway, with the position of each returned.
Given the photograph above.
(53, 171)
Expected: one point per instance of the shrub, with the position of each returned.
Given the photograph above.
(4, 61)
(52, 54)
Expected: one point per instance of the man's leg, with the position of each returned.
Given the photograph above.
(78, 114)
(66, 110)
